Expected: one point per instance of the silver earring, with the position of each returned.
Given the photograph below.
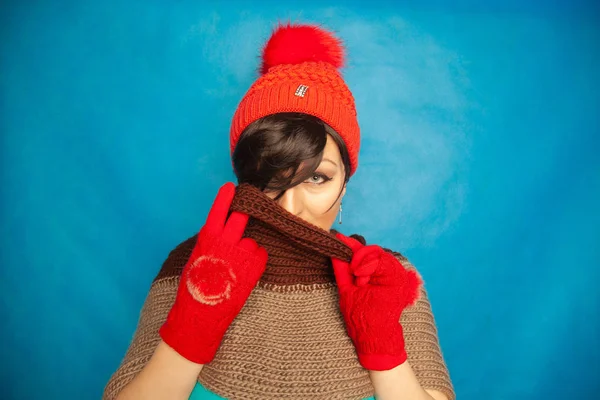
(340, 220)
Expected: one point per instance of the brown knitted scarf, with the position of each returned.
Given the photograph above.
(299, 252)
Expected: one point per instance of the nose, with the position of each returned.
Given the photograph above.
(291, 201)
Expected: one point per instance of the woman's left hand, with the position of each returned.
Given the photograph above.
(374, 289)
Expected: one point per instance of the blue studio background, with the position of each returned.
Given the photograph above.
(479, 161)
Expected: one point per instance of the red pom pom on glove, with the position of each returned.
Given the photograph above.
(222, 271)
(374, 289)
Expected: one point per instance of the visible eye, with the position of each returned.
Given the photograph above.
(318, 179)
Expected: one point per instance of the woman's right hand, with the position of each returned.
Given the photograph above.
(216, 281)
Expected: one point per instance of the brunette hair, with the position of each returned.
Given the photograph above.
(271, 150)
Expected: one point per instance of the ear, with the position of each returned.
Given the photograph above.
(344, 190)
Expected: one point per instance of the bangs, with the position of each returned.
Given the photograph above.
(280, 151)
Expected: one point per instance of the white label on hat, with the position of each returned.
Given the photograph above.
(301, 91)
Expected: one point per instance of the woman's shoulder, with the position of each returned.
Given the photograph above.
(177, 258)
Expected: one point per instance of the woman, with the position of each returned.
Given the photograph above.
(268, 301)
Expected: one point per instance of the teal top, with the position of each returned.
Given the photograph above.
(202, 393)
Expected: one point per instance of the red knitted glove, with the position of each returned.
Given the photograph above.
(374, 289)
(222, 271)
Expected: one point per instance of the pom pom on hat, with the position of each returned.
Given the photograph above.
(295, 44)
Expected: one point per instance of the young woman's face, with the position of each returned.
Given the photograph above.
(311, 200)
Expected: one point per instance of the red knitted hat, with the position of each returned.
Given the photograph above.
(299, 73)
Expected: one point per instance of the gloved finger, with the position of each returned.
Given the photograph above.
(366, 255)
(248, 244)
(362, 280)
(390, 272)
(341, 269)
(367, 268)
(350, 242)
(235, 226)
(215, 221)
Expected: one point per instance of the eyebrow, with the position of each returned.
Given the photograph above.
(327, 159)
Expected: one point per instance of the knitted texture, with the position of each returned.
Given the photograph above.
(299, 253)
(289, 341)
(314, 86)
(374, 290)
(216, 281)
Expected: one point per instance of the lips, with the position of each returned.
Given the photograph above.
(210, 280)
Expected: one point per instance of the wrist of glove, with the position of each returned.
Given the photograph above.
(374, 289)
(215, 283)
